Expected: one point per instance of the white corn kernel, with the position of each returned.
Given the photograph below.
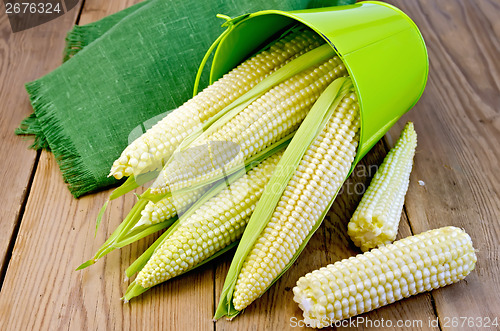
(214, 225)
(291, 228)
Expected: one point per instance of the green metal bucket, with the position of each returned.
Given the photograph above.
(380, 45)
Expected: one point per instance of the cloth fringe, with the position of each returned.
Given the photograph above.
(77, 39)
(82, 35)
(30, 126)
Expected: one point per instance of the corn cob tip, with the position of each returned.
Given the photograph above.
(144, 220)
(168, 207)
(376, 220)
(119, 168)
(137, 225)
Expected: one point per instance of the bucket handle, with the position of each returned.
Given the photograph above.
(230, 22)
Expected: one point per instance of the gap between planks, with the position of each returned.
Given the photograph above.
(10, 248)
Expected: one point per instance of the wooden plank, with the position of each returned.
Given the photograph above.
(414, 310)
(331, 243)
(20, 55)
(458, 153)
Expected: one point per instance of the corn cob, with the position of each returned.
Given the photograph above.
(318, 177)
(214, 225)
(156, 145)
(382, 276)
(168, 207)
(267, 119)
(195, 164)
(145, 218)
(375, 222)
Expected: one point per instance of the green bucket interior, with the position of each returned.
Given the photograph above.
(381, 47)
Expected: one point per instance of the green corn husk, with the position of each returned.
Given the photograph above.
(135, 289)
(295, 66)
(312, 125)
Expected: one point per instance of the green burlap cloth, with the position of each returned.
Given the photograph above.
(119, 72)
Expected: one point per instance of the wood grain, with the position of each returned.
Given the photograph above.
(57, 234)
(55, 238)
(20, 55)
(458, 124)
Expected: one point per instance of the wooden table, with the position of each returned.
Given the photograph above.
(45, 233)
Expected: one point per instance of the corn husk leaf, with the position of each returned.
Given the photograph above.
(130, 184)
(295, 66)
(290, 69)
(135, 289)
(309, 129)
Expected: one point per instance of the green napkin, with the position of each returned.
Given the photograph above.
(121, 71)
(78, 38)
